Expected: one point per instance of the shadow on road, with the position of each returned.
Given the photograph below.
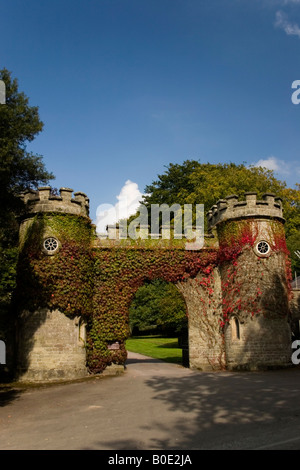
(8, 395)
(219, 411)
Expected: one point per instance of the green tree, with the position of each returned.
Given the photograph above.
(196, 183)
(172, 310)
(19, 169)
(158, 304)
(293, 244)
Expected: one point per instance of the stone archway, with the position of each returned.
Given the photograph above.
(96, 279)
(121, 271)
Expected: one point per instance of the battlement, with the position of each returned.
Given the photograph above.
(115, 232)
(43, 200)
(231, 208)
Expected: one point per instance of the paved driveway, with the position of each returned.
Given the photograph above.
(156, 406)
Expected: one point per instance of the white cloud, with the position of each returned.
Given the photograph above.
(282, 22)
(273, 163)
(280, 3)
(274, 3)
(128, 203)
(270, 163)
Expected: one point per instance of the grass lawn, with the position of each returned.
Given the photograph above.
(158, 347)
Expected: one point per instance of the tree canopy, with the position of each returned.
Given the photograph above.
(194, 183)
(19, 169)
(204, 183)
(160, 304)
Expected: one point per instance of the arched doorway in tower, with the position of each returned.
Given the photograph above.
(158, 323)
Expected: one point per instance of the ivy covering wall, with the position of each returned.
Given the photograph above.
(96, 284)
(253, 285)
(63, 281)
(119, 272)
(99, 284)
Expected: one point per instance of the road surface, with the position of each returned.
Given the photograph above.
(156, 406)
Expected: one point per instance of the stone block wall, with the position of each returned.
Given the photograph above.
(50, 346)
(204, 309)
(261, 343)
(258, 334)
(295, 304)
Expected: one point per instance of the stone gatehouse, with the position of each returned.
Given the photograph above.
(74, 288)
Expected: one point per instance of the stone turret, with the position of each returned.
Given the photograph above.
(50, 344)
(43, 200)
(233, 209)
(255, 281)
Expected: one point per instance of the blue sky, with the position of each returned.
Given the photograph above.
(125, 87)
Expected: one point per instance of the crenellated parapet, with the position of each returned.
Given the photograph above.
(269, 207)
(43, 200)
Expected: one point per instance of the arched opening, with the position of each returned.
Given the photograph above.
(235, 328)
(158, 322)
